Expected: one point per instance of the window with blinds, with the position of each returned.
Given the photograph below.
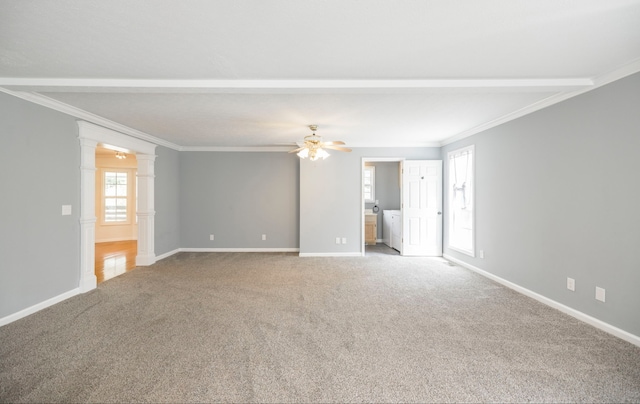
(115, 196)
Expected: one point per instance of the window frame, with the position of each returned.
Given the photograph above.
(371, 169)
(470, 197)
(132, 199)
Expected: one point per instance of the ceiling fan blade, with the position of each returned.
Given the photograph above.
(343, 149)
(296, 150)
(335, 142)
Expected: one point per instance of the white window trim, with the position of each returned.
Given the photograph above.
(373, 184)
(131, 196)
(451, 155)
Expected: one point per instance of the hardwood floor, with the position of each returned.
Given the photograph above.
(115, 258)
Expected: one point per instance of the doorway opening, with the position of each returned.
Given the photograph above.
(116, 243)
(381, 205)
(91, 136)
(416, 227)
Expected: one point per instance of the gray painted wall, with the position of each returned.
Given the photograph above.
(39, 172)
(331, 197)
(387, 189)
(558, 196)
(167, 200)
(238, 196)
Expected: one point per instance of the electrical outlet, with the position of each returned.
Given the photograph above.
(66, 210)
(264, 237)
(337, 240)
(211, 237)
(344, 240)
(599, 294)
(481, 253)
(571, 284)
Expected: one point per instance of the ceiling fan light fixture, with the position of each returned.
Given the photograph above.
(320, 154)
(120, 155)
(304, 153)
(313, 147)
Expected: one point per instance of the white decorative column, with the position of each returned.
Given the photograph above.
(88, 280)
(146, 210)
(90, 136)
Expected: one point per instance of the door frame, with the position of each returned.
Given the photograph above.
(372, 160)
(90, 135)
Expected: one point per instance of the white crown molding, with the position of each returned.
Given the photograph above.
(536, 106)
(617, 74)
(598, 81)
(135, 85)
(237, 149)
(87, 116)
(566, 88)
(100, 134)
(395, 146)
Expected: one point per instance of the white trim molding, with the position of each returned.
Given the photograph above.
(167, 254)
(37, 307)
(615, 331)
(238, 250)
(280, 149)
(234, 250)
(596, 82)
(88, 279)
(87, 116)
(235, 85)
(146, 209)
(90, 136)
(333, 254)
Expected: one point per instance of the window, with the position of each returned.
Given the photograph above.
(369, 184)
(115, 196)
(461, 200)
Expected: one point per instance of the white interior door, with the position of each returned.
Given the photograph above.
(422, 207)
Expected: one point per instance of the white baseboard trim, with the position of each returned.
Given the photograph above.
(145, 260)
(606, 327)
(37, 307)
(167, 254)
(177, 250)
(239, 249)
(332, 254)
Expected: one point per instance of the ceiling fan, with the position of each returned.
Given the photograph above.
(314, 147)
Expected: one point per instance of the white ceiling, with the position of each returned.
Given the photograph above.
(255, 73)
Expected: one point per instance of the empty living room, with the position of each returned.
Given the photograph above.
(320, 202)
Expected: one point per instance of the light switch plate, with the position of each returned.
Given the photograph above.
(599, 294)
(66, 210)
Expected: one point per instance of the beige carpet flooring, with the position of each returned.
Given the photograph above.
(273, 327)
